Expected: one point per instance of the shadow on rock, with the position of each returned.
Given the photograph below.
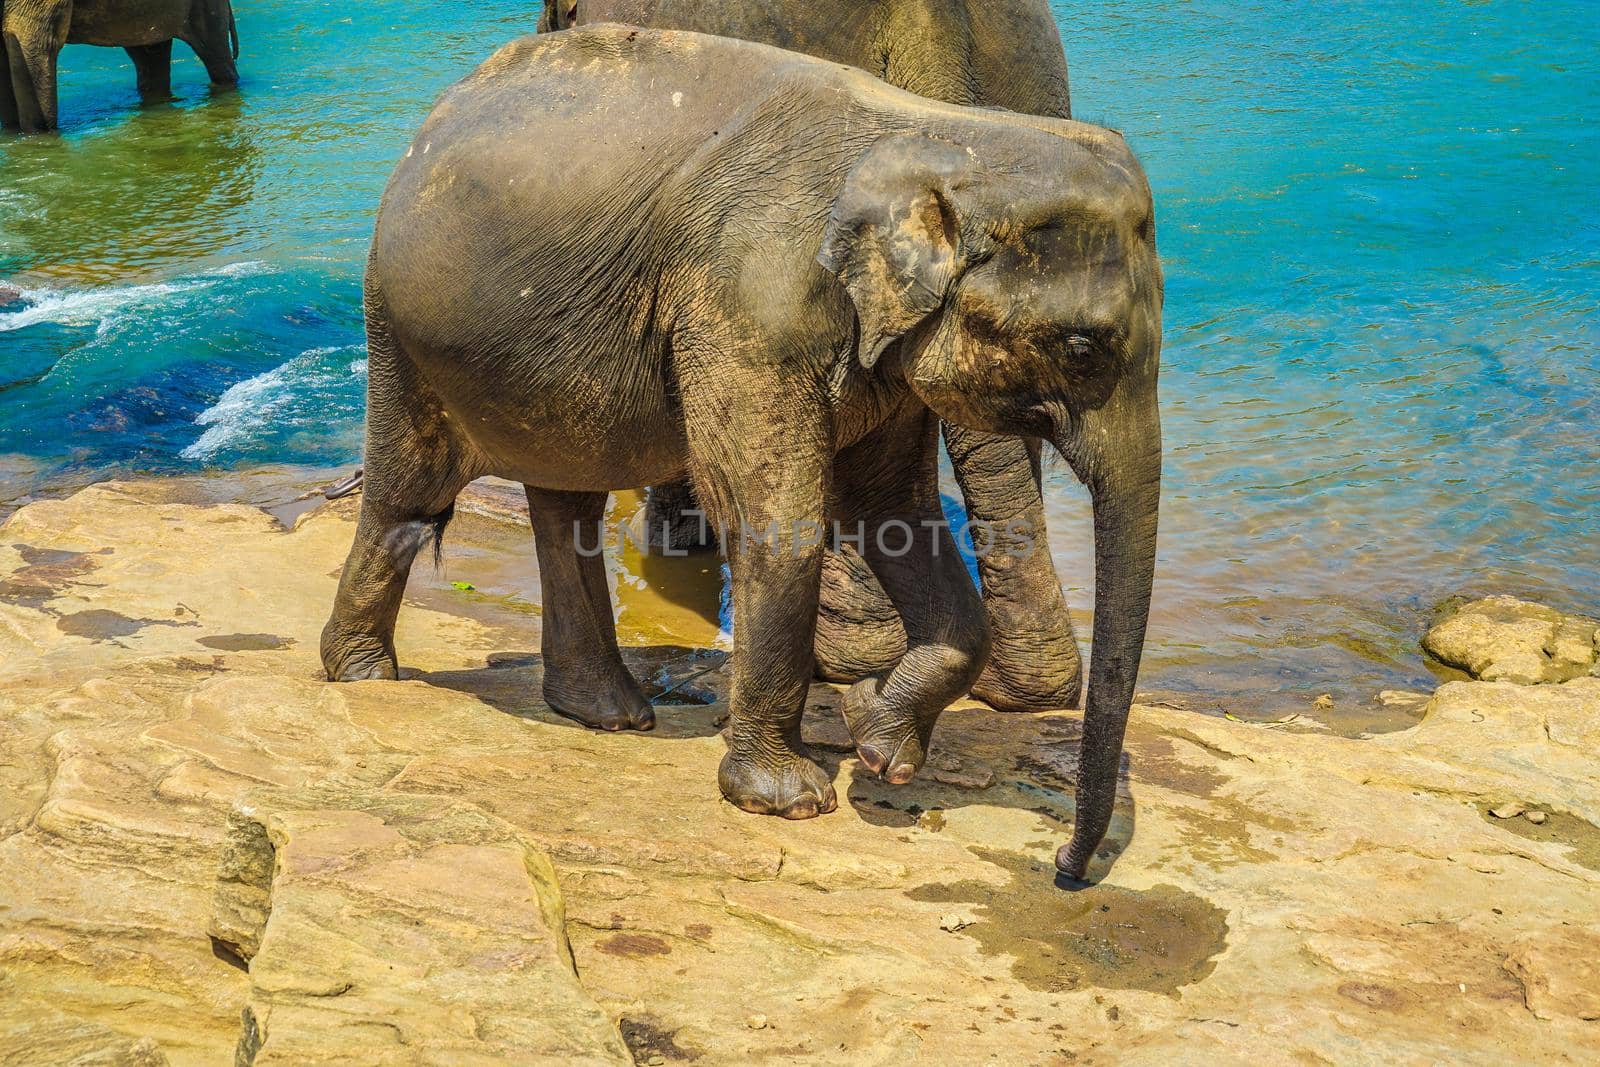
(683, 684)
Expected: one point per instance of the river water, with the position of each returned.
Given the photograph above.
(1380, 223)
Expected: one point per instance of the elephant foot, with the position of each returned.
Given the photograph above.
(357, 659)
(1030, 674)
(891, 742)
(604, 702)
(788, 784)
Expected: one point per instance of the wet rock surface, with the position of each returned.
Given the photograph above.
(207, 852)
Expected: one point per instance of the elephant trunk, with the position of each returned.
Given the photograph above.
(1116, 450)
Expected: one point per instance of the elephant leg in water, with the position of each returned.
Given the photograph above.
(8, 96)
(32, 60)
(215, 39)
(153, 65)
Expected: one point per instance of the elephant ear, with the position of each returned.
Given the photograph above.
(558, 15)
(894, 237)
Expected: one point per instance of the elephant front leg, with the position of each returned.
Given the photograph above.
(887, 500)
(1034, 664)
(858, 629)
(764, 465)
(32, 59)
(153, 64)
(775, 577)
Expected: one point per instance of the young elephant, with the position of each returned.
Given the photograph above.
(33, 33)
(614, 255)
(993, 53)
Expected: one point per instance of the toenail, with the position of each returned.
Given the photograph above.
(872, 757)
(902, 773)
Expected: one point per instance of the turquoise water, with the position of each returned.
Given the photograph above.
(1381, 225)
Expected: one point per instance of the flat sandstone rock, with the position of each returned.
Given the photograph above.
(208, 852)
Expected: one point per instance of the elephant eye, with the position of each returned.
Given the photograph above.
(1084, 346)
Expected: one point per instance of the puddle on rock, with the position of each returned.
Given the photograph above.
(1581, 837)
(1157, 939)
(98, 624)
(247, 642)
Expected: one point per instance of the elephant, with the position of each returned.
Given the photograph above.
(993, 53)
(34, 32)
(613, 256)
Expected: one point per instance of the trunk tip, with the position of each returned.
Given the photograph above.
(1072, 862)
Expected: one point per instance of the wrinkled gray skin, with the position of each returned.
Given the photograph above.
(614, 256)
(34, 32)
(995, 53)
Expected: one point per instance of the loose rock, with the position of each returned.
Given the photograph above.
(1502, 638)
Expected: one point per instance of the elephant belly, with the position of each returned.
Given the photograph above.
(584, 451)
(120, 25)
(549, 410)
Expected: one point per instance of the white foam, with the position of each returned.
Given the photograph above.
(268, 401)
(101, 306)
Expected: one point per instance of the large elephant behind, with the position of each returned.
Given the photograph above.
(985, 53)
(35, 31)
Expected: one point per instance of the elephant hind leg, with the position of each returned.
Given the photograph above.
(153, 62)
(415, 467)
(213, 47)
(584, 676)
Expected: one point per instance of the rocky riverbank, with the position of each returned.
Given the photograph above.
(207, 852)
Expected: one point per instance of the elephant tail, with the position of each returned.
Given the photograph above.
(233, 32)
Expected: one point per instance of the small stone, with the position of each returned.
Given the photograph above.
(1325, 701)
(1401, 698)
(963, 774)
(954, 922)
(1508, 810)
(1535, 817)
(756, 1022)
(656, 1061)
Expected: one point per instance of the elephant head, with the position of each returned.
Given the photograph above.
(1013, 280)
